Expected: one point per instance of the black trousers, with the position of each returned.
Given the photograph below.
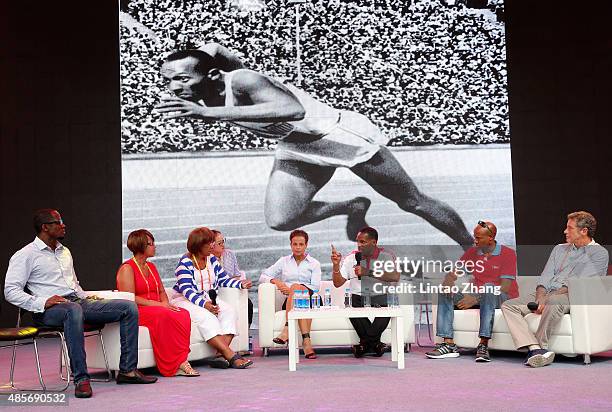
(250, 313)
(369, 332)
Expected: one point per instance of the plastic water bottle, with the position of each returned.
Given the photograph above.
(305, 300)
(348, 298)
(390, 300)
(314, 299)
(327, 298)
(365, 295)
(297, 300)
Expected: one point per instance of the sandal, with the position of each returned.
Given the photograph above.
(232, 362)
(185, 369)
(310, 355)
(280, 341)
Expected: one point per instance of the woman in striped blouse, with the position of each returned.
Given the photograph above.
(197, 274)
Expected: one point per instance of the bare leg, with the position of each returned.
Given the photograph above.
(288, 307)
(289, 203)
(304, 324)
(228, 339)
(284, 335)
(387, 176)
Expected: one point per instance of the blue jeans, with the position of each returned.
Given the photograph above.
(488, 302)
(71, 316)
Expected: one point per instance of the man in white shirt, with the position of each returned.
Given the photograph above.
(358, 269)
(41, 279)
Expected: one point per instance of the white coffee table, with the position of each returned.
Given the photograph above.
(397, 328)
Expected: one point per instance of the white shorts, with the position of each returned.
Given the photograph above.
(208, 324)
(353, 140)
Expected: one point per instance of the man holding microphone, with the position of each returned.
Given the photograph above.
(357, 268)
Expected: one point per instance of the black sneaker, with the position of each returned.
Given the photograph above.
(482, 353)
(539, 357)
(443, 350)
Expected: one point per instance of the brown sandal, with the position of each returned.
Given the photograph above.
(280, 341)
(310, 355)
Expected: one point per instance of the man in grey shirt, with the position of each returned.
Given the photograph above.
(580, 257)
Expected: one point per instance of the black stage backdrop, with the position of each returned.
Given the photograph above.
(60, 124)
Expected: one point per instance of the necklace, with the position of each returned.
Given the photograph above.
(195, 260)
(145, 279)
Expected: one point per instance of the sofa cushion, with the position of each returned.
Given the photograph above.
(469, 320)
(144, 341)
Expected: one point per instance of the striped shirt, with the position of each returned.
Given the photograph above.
(194, 284)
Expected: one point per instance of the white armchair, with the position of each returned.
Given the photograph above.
(584, 331)
(325, 332)
(199, 348)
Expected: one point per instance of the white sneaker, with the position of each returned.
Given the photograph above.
(540, 357)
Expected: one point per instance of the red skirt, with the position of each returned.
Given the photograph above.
(170, 333)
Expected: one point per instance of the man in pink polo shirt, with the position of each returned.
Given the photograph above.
(493, 268)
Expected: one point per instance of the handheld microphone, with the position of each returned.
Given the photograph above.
(358, 258)
(213, 296)
(532, 306)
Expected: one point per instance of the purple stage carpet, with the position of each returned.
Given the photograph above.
(338, 382)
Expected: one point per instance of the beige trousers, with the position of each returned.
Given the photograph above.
(514, 311)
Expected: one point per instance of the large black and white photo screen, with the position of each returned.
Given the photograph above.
(320, 115)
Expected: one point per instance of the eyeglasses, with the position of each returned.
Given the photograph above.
(54, 222)
(483, 224)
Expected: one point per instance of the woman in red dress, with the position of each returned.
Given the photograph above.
(169, 326)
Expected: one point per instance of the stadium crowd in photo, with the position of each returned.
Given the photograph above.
(425, 73)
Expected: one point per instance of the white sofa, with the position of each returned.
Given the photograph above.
(325, 332)
(584, 331)
(199, 348)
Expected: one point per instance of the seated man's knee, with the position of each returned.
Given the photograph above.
(488, 299)
(74, 312)
(506, 305)
(130, 308)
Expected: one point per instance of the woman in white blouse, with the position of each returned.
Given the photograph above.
(296, 272)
